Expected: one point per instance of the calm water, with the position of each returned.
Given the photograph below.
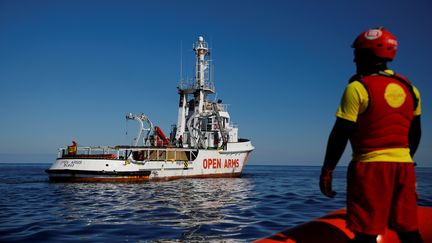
(265, 200)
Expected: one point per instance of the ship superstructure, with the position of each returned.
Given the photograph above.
(203, 143)
(203, 123)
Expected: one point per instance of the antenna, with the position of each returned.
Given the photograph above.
(211, 68)
(181, 61)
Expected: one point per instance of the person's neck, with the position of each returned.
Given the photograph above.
(363, 69)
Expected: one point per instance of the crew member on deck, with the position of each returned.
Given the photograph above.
(180, 141)
(380, 115)
(72, 149)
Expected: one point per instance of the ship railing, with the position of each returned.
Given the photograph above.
(208, 106)
(97, 152)
(191, 85)
(141, 154)
(233, 125)
(136, 153)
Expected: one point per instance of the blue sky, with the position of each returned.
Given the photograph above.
(73, 69)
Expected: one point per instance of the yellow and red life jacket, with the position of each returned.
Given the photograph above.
(72, 149)
(386, 122)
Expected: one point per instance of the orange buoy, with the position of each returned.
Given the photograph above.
(332, 229)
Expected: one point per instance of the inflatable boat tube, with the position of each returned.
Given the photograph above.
(332, 229)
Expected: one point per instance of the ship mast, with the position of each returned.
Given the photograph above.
(201, 50)
(199, 88)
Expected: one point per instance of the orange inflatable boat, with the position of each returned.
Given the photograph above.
(332, 229)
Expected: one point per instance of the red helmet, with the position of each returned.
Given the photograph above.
(381, 42)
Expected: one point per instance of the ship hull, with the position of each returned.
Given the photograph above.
(208, 163)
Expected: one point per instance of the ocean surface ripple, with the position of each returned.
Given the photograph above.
(267, 199)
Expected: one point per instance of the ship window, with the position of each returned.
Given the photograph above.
(209, 123)
(203, 125)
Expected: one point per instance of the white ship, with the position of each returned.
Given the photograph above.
(204, 143)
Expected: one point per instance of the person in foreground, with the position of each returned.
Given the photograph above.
(380, 115)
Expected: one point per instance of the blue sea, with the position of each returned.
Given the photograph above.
(267, 199)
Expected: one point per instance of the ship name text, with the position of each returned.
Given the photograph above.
(72, 163)
(218, 163)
